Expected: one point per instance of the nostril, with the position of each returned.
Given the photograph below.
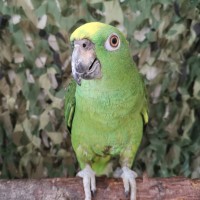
(84, 45)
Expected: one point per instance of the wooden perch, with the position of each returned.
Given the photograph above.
(176, 188)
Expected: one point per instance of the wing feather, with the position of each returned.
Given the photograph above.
(145, 109)
(70, 103)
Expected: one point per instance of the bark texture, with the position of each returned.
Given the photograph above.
(175, 188)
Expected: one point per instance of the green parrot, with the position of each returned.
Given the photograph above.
(105, 105)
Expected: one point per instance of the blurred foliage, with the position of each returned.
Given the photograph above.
(164, 38)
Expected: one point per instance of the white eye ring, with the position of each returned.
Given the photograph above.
(113, 42)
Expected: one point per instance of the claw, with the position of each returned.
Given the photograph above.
(126, 194)
(89, 182)
(94, 192)
(128, 177)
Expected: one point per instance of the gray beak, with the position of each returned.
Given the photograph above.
(85, 64)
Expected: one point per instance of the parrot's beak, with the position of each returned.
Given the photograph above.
(85, 64)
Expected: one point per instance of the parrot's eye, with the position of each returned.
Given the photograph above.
(113, 42)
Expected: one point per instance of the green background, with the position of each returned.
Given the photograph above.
(35, 55)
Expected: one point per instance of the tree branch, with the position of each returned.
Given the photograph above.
(176, 188)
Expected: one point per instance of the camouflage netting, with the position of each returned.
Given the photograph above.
(164, 37)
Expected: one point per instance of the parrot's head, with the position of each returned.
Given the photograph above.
(98, 50)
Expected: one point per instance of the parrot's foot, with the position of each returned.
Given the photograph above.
(89, 182)
(128, 177)
(117, 173)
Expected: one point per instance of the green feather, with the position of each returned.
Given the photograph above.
(109, 113)
(70, 104)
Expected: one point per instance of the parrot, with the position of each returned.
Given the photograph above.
(106, 106)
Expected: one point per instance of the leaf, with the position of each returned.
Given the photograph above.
(53, 8)
(151, 72)
(56, 137)
(94, 1)
(15, 19)
(4, 87)
(196, 28)
(32, 138)
(6, 121)
(29, 10)
(53, 42)
(44, 119)
(42, 22)
(113, 12)
(173, 156)
(196, 89)
(41, 61)
(18, 58)
(29, 76)
(19, 40)
(140, 35)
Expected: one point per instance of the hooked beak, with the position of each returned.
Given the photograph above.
(85, 64)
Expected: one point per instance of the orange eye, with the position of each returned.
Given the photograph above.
(114, 41)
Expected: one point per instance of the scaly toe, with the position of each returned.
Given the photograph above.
(126, 194)
(89, 182)
(94, 192)
(128, 176)
(117, 173)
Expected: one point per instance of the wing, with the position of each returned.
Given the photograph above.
(145, 109)
(70, 103)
